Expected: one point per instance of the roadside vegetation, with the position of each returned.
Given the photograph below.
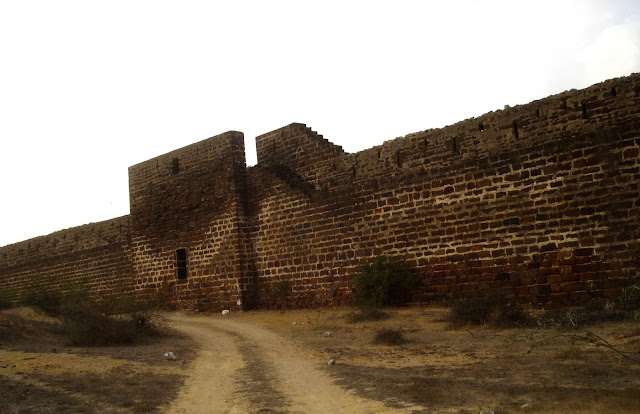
(495, 310)
(480, 354)
(60, 352)
(83, 322)
(386, 281)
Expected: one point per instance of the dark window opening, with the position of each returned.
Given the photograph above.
(454, 145)
(515, 129)
(378, 154)
(181, 263)
(564, 104)
(398, 159)
(613, 91)
(537, 112)
(481, 127)
(584, 111)
(426, 144)
(353, 170)
(175, 166)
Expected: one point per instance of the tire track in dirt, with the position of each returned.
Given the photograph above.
(255, 381)
(245, 368)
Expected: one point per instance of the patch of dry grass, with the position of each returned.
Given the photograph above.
(41, 373)
(471, 368)
(389, 337)
(366, 315)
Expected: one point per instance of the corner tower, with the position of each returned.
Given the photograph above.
(186, 221)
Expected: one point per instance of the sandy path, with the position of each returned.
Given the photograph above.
(245, 368)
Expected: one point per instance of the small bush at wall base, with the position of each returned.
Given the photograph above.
(281, 293)
(110, 321)
(625, 306)
(385, 281)
(85, 326)
(389, 337)
(492, 310)
(629, 301)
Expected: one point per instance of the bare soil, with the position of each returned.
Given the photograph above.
(247, 368)
(40, 374)
(263, 362)
(470, 369)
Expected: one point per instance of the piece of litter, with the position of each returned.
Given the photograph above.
(170, 356)
(294, 324)
(332, 362)
(225, 312)
(327, 334)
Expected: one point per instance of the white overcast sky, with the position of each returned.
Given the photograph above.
(88, 88)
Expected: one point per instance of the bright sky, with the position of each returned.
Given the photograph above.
(89, 88)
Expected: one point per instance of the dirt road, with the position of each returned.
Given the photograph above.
(245, 368)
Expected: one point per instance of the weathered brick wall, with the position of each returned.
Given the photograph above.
(191, 199)
(94, 256)
(540, 199)
(297, 154)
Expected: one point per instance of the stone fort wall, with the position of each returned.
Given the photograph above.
(539, 200)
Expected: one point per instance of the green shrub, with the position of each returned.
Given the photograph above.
(493, 309)
(389, 337)
(281, 293)
(385, 281)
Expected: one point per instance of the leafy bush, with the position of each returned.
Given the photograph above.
(281, 293)
(493, 310)
(386, 281)
(389, 337)
(281, 289)
(366, 315)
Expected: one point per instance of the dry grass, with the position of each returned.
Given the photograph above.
(439, 368)
(41, 373)
(389, 337)
(366, 315)
(471, 368)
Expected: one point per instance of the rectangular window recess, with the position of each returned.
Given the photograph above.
(181, 263)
